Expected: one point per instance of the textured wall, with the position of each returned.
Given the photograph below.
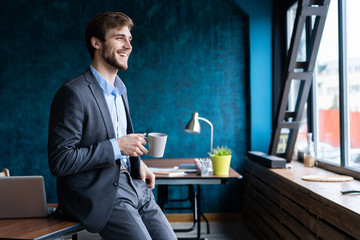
(187, 56)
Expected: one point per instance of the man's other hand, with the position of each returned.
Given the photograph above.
(146, 175)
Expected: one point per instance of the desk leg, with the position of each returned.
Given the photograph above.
(196, 195)
(197, 207)
(207, 223)
(193, 203)
(162, 196)
(200, 214)
(198, 200)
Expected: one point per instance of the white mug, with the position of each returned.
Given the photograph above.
(157, 143)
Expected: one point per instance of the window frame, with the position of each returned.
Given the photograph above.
(312, 115)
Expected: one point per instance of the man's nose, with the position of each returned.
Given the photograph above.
(127, 44)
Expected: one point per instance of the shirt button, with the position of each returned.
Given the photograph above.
(116, 183)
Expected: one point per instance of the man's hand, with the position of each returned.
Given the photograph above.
(146, 175)
(133, 144)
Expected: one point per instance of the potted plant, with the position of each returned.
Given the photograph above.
(220, 158)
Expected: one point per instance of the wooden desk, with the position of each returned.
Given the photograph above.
(38, 229)
(188, 179)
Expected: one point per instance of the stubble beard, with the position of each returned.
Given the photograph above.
(111, 60)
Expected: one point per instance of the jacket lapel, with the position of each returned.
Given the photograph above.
(100, 99)
(130, 128)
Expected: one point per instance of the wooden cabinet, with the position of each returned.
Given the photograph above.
(278, 204)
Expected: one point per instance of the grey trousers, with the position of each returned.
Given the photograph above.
(136, 215)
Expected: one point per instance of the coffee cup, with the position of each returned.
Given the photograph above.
(157, 143)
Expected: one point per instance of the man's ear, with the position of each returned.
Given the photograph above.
(96, 43)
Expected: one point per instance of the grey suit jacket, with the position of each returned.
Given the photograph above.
(80, 153)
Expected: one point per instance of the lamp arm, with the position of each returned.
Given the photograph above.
(212, 132)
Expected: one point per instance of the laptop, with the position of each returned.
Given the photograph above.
(23, 197)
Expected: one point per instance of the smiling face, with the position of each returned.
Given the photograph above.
(116, 48)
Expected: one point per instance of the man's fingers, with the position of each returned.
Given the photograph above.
(133, 144)
(151, 183)
(143, 141)
(144, 150)
(139, 151)
(142, 138)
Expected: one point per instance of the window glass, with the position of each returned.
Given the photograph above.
(353, 76)
(327, 91)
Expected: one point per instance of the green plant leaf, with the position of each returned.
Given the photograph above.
(221, 151)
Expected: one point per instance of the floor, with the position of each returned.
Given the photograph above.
(218, 231)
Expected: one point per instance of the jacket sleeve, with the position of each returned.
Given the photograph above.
(70, 148)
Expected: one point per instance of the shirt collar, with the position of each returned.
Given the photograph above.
(107, 88)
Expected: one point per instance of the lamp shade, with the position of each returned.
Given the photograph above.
(193, 125)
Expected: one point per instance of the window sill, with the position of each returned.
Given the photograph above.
(330, 191)
(279, 204)
(340, 170)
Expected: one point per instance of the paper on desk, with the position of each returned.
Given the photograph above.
(174, 169)
(171, 172)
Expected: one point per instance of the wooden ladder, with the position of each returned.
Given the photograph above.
(300, 71)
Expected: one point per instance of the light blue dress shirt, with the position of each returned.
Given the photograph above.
(116, 107)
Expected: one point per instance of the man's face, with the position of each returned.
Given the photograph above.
(117, 47)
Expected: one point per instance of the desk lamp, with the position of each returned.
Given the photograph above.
(193, 126)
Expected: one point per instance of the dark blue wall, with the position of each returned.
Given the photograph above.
(260, 19)
(187, 56)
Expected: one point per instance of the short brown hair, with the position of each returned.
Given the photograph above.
(100, 24)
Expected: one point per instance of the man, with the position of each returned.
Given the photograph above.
(92, 148)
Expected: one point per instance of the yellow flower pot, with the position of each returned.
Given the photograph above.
(221, 165)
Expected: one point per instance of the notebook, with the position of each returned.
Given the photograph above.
(23, 197)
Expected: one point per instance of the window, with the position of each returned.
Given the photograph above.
(326, 91)
(353, 75)
(336, 89)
